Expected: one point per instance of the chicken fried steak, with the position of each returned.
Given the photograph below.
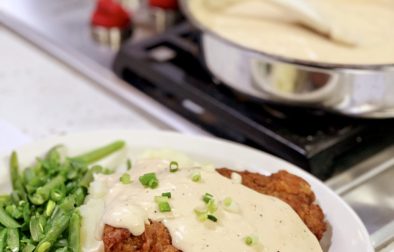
(290, 188)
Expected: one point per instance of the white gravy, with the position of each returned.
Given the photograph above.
(130, 206)
(261, 26)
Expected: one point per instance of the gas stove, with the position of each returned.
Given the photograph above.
(169, 68)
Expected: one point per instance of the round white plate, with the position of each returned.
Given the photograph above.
(348, 232)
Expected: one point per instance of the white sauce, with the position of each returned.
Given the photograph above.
(259, 25)
(130, 206)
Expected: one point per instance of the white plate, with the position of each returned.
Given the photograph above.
(348, 235)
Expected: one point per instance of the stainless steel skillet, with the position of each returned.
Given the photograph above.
(365, 91)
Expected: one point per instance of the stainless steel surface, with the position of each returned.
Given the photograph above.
(359, 91)
(369, 190)
(62, 43)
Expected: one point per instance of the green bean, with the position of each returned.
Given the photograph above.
(43, 192)
(59, 225)
(79, 195)
(101, 152)
(3, 238)
(36, 229)
(63, 249)
(85, 181)
(74, 232)
(13, 211)
(53, 157)
(61, 243)
(17, 183)
(49, 208)
(26, 211)
(14, 169)
(58, 194)
(4, 199)
(13, 239)
(6, 220)
(68, 204)
(28, 248)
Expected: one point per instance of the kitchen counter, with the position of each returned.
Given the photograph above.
(41, 96)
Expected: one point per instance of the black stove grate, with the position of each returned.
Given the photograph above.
(168, 68)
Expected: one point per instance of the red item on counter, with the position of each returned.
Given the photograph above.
(110, 14)
(164, 4)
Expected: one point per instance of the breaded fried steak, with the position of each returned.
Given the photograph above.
(155, 239)
(290, 188)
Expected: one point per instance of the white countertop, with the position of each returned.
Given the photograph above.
(40, 96)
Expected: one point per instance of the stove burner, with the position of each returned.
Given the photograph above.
(168, 68)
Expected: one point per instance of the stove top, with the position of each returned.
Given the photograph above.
(169, 68)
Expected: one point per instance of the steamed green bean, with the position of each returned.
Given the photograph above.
(41, 213)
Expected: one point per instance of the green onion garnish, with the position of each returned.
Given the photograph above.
(230, 205)
(196, 176)
(174, 166)
(108, 171)
(125, 179)
(160, 199)
(250, 240)
(201, 214)
(129, 165)
(162, 202)
(211, 206)
(207, 197)
(212, 218)
(149, 180)
(164, 207)
(227, 201)
(166, 194)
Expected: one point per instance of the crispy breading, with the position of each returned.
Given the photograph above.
(290, 188)
(156, 238)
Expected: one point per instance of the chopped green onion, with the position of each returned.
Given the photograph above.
(227, 201)
(149, 180)
(212, 218)
(174, 166)
(125, 179)
(250, 240)
(207, 197)
(153, 183)
(164, 207)
(166, 194)
(108, 171)
(160, 199)
(196, 176)
(201, 214)
(129, 164)
(211, 206)
(230, 205)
